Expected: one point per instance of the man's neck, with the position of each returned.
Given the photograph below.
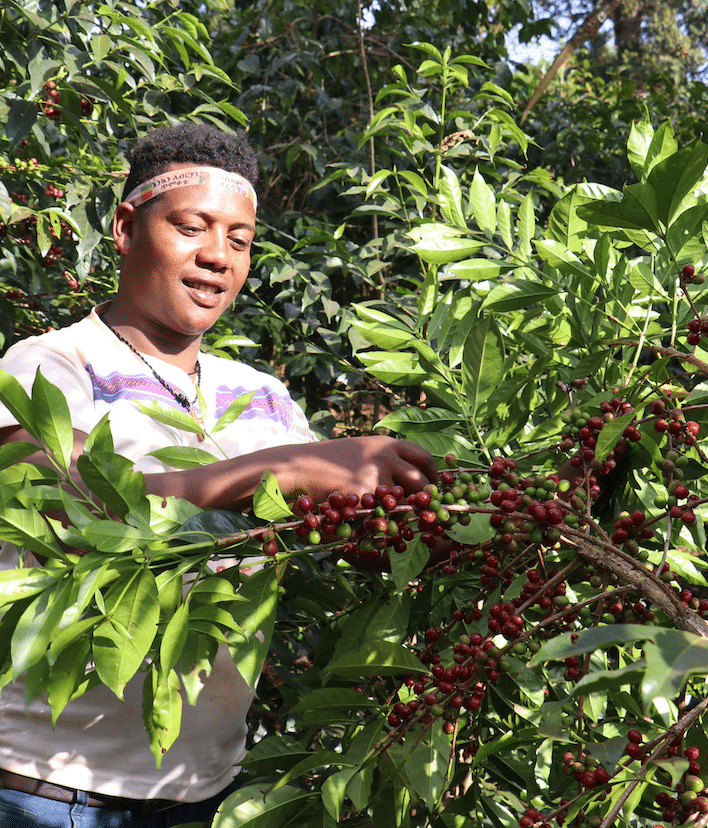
(182, 354)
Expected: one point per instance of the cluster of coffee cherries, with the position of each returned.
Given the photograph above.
(670, 421)
(529, 509)
(688, 798)
(680, 432)
(50, 105)
(585, 768)
(582, 430)
(367, 526)
(532, 818)
(630, 529)
(697, 328)
(690, 277)
(386, 520)
(51, 102)
(684, 803)
(449, 692)
(53, 191)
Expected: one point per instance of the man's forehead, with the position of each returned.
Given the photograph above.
(179, 177)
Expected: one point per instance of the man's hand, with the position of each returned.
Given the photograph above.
(355, 464)
(349, 464)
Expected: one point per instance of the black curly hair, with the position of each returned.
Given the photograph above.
(189, 142)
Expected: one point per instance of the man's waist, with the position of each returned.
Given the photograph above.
(60, 793)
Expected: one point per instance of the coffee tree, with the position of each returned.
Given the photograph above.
(523, 643)
(560, 639)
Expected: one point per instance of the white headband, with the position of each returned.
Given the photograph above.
(190, 176)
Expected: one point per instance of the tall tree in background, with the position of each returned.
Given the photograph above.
(619, 60)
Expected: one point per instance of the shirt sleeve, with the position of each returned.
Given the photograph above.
(300, 430)
(24, 359)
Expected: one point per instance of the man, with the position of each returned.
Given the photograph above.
(184, 231)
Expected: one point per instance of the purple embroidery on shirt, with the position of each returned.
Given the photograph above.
(266, 404)
(132, 387)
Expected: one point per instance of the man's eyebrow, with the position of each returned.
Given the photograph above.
(204, 214)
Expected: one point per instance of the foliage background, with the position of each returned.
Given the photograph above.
(420, 256)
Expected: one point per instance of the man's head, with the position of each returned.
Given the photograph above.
(185, 257)
(190, 143)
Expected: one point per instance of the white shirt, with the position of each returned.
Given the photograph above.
(99, 743)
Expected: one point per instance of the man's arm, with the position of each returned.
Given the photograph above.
(348, 464)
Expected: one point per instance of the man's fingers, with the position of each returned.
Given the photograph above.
(420, 458)
(417, 469)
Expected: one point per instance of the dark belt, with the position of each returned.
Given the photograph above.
(48, 790)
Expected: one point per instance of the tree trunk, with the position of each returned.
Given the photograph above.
(627, 26)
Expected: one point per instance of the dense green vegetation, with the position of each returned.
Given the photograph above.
(516, 300)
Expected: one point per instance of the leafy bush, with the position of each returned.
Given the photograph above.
(550, 665)
(544, 341)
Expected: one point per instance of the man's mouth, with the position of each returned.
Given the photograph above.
(202, 287)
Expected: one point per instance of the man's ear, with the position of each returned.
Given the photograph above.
(123, 226)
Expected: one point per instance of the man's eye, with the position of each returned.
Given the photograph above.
(240, 244)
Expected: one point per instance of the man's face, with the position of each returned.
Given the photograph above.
(185, 255)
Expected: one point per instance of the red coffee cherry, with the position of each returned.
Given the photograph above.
(305, 503)
(634, 750)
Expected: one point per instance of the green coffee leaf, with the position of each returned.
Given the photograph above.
(162, 711)
(255, 806)
(675, 177)
(337, 702)
(596, 638)
(334, 791)
(638, 143)
(11, 453)
(17, 584)
(170, 416)
(100, 439)
(394, 367)
(405, 566)
(195, 663)
(483, 205)
(376, 659)
(212, 589)
(318, 759)
(37, 625)
(68, 636)
(122, 641)
(426, 766)
(517, 294)
(611, 433)
(173, 639)
(256, 617)
(483, 362)
(112, 479)
(475, 270)
(268, 501)
(477, 532)
(67, 674)
(391, 620)
(442, 248)
(27, 529)
(111, 536)
(183, 457)
(672, 656)
(17, 401)
(451, 198)
(215, 615)
(233, 412)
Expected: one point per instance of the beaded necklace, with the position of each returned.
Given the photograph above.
(181, 398)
